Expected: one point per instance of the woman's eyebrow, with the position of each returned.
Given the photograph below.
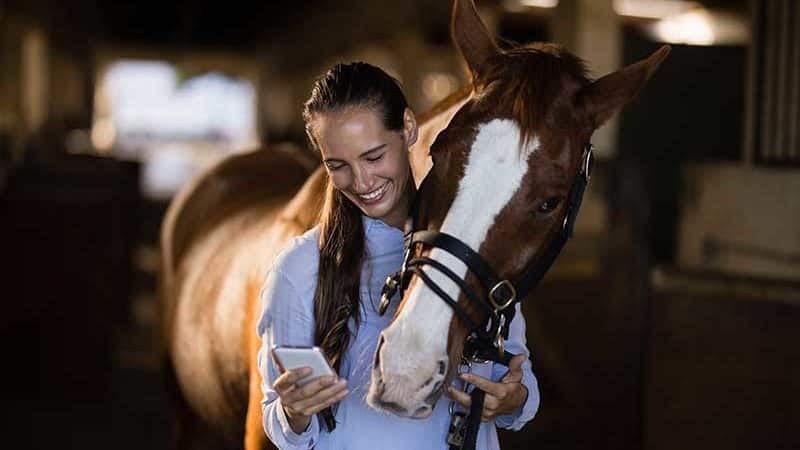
(362, 155)
(372, 150)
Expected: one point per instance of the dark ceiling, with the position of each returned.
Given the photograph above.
(231, 23)
(215, 23)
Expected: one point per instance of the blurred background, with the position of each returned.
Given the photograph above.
(671, 320)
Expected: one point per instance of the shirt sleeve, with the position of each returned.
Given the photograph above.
(285, 320)
(516, 343)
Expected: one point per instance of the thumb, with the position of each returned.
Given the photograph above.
(516, 362)
(514, 374)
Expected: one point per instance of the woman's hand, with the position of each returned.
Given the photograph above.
(301, 403)
(503, 397)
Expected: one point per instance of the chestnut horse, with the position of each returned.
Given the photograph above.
(533, 106)
(502, 184)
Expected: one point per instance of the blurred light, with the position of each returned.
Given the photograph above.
(103, 135)
(693, 28)
(652, 9)
(516, 6)
(438, 85)
(539, 3)
(150, 102)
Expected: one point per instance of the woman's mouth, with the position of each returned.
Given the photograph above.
(374, 196)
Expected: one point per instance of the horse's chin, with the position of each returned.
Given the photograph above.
(423, 411)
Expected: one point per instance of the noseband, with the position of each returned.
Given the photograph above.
(486, 341)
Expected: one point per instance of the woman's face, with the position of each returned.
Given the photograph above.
(366, 162)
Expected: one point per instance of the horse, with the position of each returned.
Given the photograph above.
(499, 202)
(221, 232)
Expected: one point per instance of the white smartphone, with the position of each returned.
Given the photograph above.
(291, 357)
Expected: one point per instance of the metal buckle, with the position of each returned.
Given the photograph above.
(493, 301)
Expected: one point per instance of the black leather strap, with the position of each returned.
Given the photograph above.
(461, 251)
(474, 419)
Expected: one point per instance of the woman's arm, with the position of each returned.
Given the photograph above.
(286, 320)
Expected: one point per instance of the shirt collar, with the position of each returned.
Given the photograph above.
(380, 237)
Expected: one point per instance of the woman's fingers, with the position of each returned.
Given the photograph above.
(488, 386)
(322, 398)
(286, 381)
(460, 397)
(308, 390)
(490, 403)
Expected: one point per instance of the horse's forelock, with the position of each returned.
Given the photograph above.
(526, 83)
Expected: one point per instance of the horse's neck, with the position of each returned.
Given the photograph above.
(420, 158)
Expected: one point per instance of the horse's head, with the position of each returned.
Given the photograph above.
(502, 174)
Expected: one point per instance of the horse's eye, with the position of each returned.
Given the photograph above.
(548, 206)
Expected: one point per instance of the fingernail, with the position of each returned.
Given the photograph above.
(464, 376)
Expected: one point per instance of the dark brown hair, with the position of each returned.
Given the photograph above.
(341, 241)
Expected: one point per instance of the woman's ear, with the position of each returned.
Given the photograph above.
(410, 129)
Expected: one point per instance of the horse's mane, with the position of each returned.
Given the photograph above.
(535, 76)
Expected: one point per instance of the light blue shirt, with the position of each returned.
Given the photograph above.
(288, 319)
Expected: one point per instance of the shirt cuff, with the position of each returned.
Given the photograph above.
(516, 420)
(304, 439)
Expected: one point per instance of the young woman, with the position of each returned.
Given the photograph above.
(324, 288)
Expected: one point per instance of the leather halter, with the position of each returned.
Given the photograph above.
(486, 341)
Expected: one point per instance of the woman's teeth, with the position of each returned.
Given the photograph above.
(374, 194)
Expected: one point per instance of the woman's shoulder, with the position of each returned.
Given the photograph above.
(299, 258)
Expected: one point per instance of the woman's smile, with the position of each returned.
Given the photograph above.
(375, 196)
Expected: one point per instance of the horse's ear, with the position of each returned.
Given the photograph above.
(471, 36)
(607, 95)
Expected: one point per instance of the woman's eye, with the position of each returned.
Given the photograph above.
(548, 205)
(375, 158)
(335, 166)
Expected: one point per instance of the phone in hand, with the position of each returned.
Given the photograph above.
(293, 357)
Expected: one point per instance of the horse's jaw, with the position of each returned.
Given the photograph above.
(410, 366)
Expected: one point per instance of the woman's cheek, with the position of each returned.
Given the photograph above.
(340, 180)
(396, 165)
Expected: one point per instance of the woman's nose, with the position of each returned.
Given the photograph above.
(361, 180)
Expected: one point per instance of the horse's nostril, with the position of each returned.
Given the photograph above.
(378, 352)
(392, 406)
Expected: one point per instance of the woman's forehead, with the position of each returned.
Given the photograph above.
(350, 132)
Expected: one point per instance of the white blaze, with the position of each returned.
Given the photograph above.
(493, 173)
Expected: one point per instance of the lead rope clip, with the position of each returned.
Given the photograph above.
(458, 426)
